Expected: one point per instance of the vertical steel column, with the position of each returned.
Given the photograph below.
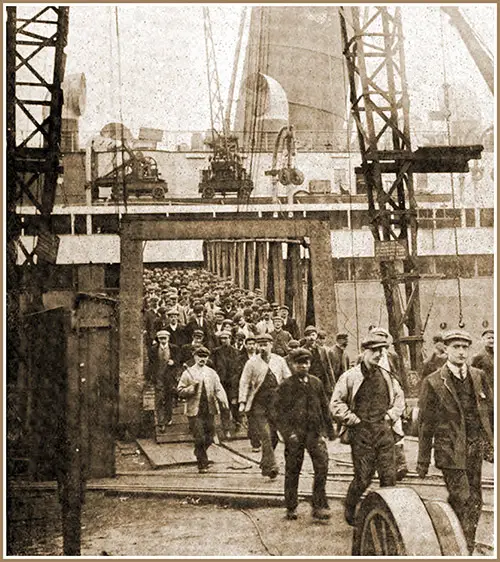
(261, 266)
(249, 265)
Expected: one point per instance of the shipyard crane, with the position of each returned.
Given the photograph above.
(374, 54)
(226, 173)
(474, 44)
(33, 117)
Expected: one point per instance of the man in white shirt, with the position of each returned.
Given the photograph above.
(259, 381)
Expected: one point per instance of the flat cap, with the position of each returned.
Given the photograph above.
(264, 338)
(452, 335)
(249, 338)
(379, 331)
(172, 311)
(277, 317)
(163, 333)
(300, 354)
(284, 307)
(198, 308)
(201, 351)
(342, 336)
(293, 344)
(374, 341)
(310, 329)
(240, 335)
(488, 331)
(198, 332)
(223, 334)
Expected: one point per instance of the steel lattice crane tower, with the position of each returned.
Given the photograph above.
(35, 63)
(374, 52)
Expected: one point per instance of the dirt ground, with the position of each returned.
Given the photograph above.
(152, 526)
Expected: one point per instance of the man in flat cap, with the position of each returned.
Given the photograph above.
(455, 413)
(320, 363)
(225, 359)
(164, 363)
(368, 402)
(249, 350)
(259, 381)
(187, 350)
(199, 322)
(289, 323)
(485, 359)
(304, 420)
(206, 397)
(438, 357)
(338, 355)
(280, 337)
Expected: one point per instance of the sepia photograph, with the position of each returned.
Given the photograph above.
(249, 273)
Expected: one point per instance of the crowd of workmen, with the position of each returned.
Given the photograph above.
(226, 350)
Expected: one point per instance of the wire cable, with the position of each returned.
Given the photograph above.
(461, 323)
(271, 551)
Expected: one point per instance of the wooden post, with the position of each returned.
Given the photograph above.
(276, 277)
(240, 264)
(320, 252)
(295, 287)
(131, 323)
(232, 260)
(218, 258)
(72, 479)
(261, 266)
(249, 266)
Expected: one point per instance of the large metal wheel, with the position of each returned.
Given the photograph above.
(394, 522)
(448, 529)
(158, 192)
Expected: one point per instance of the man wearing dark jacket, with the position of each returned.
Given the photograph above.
(320, 364)
(164, 371)
(226, 361)
(303, 418)
(455, 406)
(437, 359)
(485, 359)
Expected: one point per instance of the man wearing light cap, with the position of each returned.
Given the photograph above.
(368, 402)
(455, 408)
(205, 398)
(303, 418)
(259, 381)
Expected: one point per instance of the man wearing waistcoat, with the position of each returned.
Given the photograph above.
(259, 381)
(368, 402)
(455, 405)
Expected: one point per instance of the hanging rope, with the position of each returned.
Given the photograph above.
(120, 105)
(461, 323)
(353, 259)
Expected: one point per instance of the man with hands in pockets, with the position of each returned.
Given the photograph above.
(204, 392)
(368, 402)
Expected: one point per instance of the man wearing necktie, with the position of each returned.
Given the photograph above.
(206, 398)
(455, 404)
(304, 420)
